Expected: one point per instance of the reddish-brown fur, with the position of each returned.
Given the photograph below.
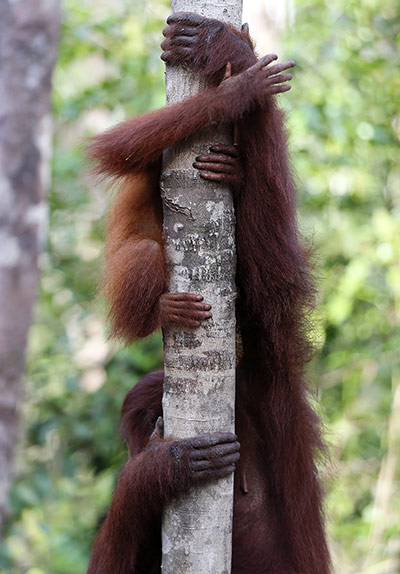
(278, 524)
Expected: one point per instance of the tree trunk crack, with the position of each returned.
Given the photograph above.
(176, 208)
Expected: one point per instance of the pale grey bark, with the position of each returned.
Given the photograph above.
(199, 390)
(28, 43)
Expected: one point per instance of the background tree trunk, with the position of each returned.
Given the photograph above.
(28, 44)
(199, 390)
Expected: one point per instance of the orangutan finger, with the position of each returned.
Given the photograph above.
(277, 68)
(212, 439)
(279, 79)
(216, 158)
(172, 30)
(182, 296)
(192, 306)
(226, 149)
(263, 62)
(176, 56)
(214, 167)
(279, 89)
(216, 451)
(185, 41)
(215, 463)
(185, 18)
(210, 176)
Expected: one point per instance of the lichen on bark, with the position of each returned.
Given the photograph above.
(199, 389)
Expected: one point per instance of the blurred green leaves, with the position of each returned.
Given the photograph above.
(344, 131)
(71, 451)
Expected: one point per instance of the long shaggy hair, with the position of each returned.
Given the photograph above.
(276, 289)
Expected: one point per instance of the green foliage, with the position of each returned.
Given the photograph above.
(345, 128)
(344, 124)
(71, 452)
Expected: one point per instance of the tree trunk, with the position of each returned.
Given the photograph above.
(199, 390)
(28, 43)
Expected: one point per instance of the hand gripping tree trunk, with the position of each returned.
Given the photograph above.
(28, 45)
(199, 391)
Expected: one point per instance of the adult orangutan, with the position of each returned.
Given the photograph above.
(278, 523)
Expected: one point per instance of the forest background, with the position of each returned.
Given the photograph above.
(344, 124)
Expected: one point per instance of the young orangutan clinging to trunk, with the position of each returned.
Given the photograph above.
(278, 524)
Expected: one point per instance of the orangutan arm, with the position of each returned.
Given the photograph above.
(137, 142)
